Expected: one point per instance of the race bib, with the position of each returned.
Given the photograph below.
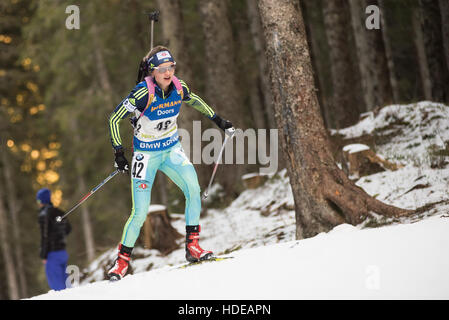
(139, 165)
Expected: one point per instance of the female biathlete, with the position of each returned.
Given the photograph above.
(156, 102)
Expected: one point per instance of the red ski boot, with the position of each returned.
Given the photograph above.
(120, 267)
(194, 252)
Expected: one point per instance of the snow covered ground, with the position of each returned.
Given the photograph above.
(405, 258)
(409, 261)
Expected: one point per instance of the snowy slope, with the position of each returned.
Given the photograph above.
(409, 261)
(412, 133)
(406, 258)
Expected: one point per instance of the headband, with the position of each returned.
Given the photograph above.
(159, 58)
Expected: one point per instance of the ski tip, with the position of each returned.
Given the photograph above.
(210, 259)
(114, 278)
(208, 256)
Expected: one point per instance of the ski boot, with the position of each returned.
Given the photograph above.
(121, 263)
(194, 252)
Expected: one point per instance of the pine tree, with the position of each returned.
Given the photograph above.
(371, 55)
(324, 196)
(222, 89)
(344, 73)
(21, 137)
(430, 50)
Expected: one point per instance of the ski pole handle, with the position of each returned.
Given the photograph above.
(59, 218)
(230, 132)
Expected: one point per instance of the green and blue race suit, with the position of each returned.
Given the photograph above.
(156, 147)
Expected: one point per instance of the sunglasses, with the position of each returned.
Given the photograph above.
(165, 69)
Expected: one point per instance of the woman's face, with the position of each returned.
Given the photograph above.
(164, 74)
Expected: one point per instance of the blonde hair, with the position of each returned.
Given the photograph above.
(153, 51)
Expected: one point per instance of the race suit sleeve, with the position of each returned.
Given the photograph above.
(196, 102)
(137, 99)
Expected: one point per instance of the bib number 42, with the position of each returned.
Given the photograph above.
(137, 170)
(139, 166)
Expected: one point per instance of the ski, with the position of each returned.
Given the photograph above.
(191, 264)
(114, 278)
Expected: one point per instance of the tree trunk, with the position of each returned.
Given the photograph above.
(444, 9)
(85, 218)
(82, 189)
(263, 79)
(256, 105)
(431, 46)
(421, 55)
(259, 47)
(222, 83)
(135, 7)
(246, 58)
(10, 270)
(312, 11)
(102, 72)
(389, 51)
(15, 225)
(344, 103)
(372, 61)
(324, 196)
(158, 232)
(221, 86)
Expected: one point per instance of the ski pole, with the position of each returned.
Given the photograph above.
(228, 133)
(59, 218)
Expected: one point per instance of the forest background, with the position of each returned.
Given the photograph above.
(59, 85)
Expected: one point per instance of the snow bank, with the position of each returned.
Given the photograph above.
(408, 261)
(411, 133)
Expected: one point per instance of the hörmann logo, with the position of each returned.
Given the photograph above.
(165, 105)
